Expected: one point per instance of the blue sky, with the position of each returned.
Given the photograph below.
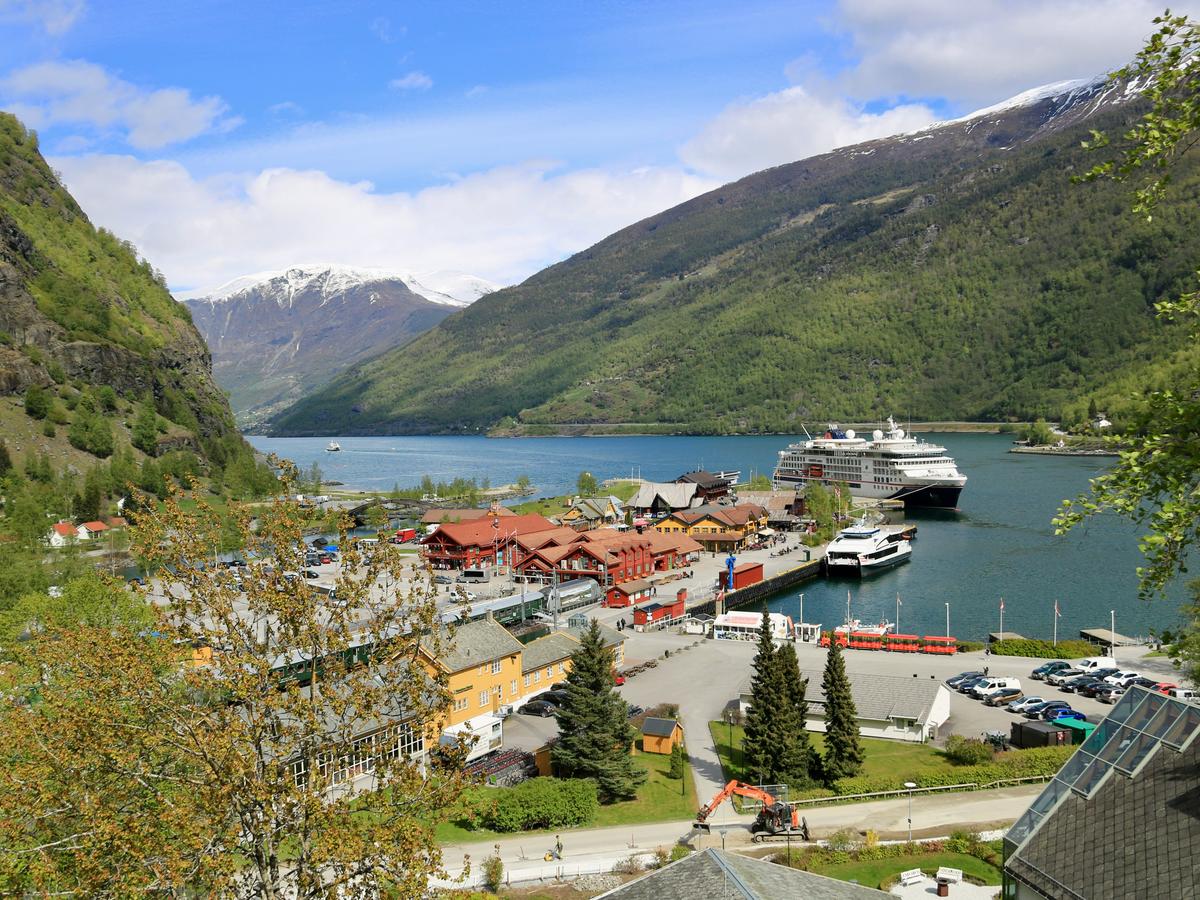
(487, 137)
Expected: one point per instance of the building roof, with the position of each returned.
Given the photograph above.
(715, 873)
(659, 727)
(557, 535)
(610, 636)
(633, 587)
(482, 531)
(1131, 796)
(720, 537)
(94, 526)
(474, 644)
(704, 479)
(774, 502)
(662, 541)
(676, 496)
(876, 697)
(64, 529)
(436, 516)
(546, 650)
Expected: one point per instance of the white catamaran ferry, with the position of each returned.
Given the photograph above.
(891, 465)
(864, 548)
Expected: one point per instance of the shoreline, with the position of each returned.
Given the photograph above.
(1061, 451)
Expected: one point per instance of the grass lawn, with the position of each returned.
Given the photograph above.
(884, 759)
(556, 506)
(874, 872)
(659, 799)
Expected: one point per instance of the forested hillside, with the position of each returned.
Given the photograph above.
(96, 358)
(955, 274)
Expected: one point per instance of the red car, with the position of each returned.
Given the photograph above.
(1164, 686)
(618, 680)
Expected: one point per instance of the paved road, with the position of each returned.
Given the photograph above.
(597, 849)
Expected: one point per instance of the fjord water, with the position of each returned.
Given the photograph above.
(999, 544)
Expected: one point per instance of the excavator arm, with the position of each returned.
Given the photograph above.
(734, 787)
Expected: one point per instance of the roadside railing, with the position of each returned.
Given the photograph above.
(936, 789)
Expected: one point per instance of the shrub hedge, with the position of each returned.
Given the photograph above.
(1045, 649)
(968, 751)
(543, 803)
(1036, 761)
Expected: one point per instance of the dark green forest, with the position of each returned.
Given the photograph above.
(955, 277)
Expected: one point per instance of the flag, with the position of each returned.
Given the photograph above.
(1057, 614)
(899, 602)
(1001, 604)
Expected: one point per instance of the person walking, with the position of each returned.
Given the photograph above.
(558, 846)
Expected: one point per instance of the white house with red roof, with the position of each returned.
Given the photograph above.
(61, 534)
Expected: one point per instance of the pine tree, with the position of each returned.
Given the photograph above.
(843, 751)
(595, 737)
(799, 761)
(760, 743)
(145, 429)
(678, 761)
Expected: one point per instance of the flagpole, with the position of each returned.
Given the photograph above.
(1055, 623)
(897, 612)
(1001, 618)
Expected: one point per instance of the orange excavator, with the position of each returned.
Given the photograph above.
(775, 818)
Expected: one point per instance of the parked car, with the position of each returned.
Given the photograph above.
(1005, 697)
(1122, 678)
(1182, 693)
(1063, 675)
(1050, 713)
(635, 711)
(558, 698)
(1055, 716)
(537, 708)
(309, 573)
(1110, 693)
(443, 579)
(992, 684)
(618, 679)
(1024, 703)
(558, 686)
(965, 686)
(1045, 669)
(1144, 682)
(1078, 683)
(1093, 689)
(1035, 711)
(961, 676)
(1165, 687)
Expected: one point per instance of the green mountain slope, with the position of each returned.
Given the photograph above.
(79, 312)
(956, 274)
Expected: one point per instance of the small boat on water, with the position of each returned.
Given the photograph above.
(855, 626)
(333, 447)
(864, 548)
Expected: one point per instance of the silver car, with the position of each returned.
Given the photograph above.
(1019, 706)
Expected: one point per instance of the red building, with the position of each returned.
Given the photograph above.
(744, 575)
(491, 540)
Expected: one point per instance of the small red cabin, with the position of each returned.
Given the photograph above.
(656, 612)
(743, 576)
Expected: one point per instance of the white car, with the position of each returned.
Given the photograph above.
(1019, 706)
(1122, 679)
(1063, 675)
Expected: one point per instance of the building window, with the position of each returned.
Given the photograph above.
(537, 676)
(562, 668)
(496, 666)
(528, 679)
(549, 671)
(514, 687)
(461, 704)
(483, 698)
(499, 692)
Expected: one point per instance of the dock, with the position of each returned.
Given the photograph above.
(1108, 638)
(994, 636)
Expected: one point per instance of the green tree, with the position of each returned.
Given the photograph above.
(843, 749)
(145, 429)
(595, 737)
(107, 397)
(799, 762)
(760, 482)
(586, 484)
(678, 761)
(523, 483)
(86, 602)
(37, 402)
(1156, 481)
(761, 750)
(6, 463)
(376, 516)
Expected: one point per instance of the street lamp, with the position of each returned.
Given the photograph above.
(1112, 632)
(910, 785)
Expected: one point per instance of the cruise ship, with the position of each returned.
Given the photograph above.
(891, 465)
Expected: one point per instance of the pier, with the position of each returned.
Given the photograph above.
(1108, 638)
(760, 591)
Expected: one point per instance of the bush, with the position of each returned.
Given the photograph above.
(493, 872)
(37, 402)
(1044, 649)
(544, 803)
(969, 646)
(679, 851)
(967, 751)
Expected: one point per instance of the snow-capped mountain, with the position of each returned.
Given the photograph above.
(276, 335)
(448, 288)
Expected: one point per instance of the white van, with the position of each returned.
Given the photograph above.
(1092, 663)
(990, 686)
(476, 576)
(1182, 693)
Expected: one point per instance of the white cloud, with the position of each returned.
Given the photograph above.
(286, 108)
(986, 50)
(476, 91)
(503, 224)
(789, 125)
(82, 93)
(56, 17)
(413, 81)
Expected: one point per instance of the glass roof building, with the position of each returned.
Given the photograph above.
(1122, 817)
